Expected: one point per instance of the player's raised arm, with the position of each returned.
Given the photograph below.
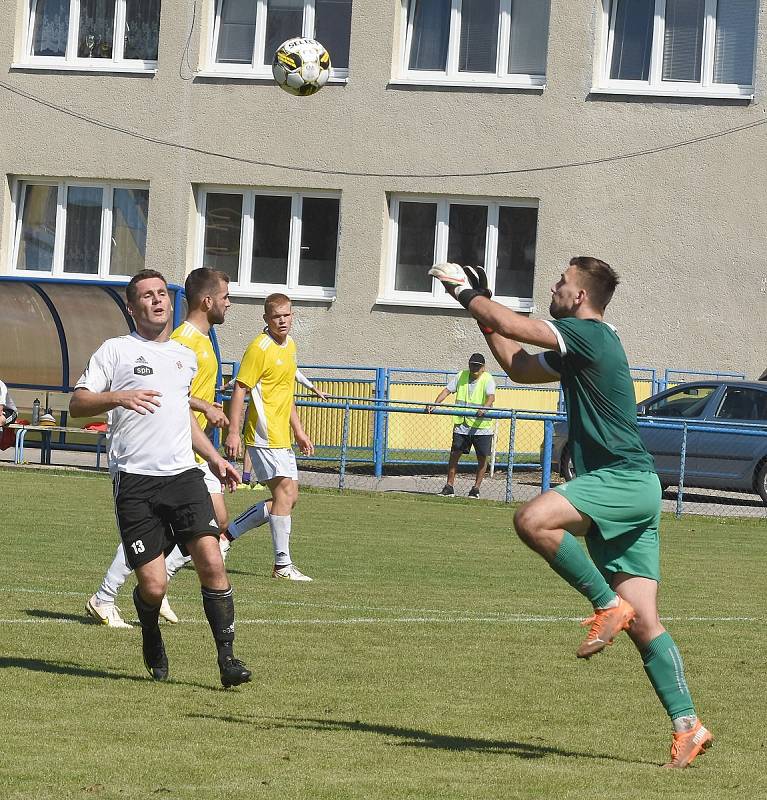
(503, 328)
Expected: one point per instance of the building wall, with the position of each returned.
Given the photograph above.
(683, 227)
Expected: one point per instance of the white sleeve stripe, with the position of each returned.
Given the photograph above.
(545, 364)
(560, 340)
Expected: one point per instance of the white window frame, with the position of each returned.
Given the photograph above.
(452, 76)
(245, 288)
(438, 298)
(255, 70)
(655, 86)
(71, 61)
(105, 233)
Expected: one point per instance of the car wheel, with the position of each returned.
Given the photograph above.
(761, 482)
(566, 468)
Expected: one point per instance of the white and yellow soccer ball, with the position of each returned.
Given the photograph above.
(301, 66)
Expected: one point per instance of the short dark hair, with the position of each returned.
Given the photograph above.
(276, 299)
(131, 292)
(599, 279)
(201, 282)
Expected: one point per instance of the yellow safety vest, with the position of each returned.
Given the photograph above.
(476, 398)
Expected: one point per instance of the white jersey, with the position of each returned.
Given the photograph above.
(5, 398)
(146, 444)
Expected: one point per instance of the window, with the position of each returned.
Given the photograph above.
(246, 33)
(498, 235)
(743, 404)
(93, 34)
(480, 42)
(689, 402)
(271, 241)
(683, 47)
(80, 229)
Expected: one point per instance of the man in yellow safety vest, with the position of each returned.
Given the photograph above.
(475, 389)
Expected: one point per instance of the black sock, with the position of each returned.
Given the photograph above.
(149, 616)
(219, 609)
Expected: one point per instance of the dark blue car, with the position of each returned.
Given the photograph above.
(735, 459)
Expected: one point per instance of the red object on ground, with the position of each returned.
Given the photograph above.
(101, 427)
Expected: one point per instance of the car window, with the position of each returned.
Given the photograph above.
(688, 402)
(743, 404)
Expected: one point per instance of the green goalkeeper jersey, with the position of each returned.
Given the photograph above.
(599, 396)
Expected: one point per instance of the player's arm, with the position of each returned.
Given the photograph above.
(85, 403)
(214, 412)
(305, 444)
(304, 381)
(233, 443)
(218, 465)
(504, 329)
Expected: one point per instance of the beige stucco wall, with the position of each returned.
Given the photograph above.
(685, 228)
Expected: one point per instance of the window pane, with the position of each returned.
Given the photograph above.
(38, 228)
(223, 221)
(479, 36)
(319, 242)
(142, 29)
(467, 235)
(517, 229)
(632, 40)
(332, 27)
(683, 40)
(529, 37)
(97, 22)
(415, 246)
(431, 32)
(271, 240)
(236, 31)
(130, 208)
(742, 404)
(49, 35)
(83, 236)
(284, 20)
(734, 53)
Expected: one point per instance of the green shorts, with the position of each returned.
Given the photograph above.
(624, 506)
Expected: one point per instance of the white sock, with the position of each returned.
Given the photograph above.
(174, 561)
(254, 517)
(280, 539)
(116, 576)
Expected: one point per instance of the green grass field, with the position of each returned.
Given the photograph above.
(432, 657)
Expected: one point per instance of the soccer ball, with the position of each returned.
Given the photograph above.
(301, 66)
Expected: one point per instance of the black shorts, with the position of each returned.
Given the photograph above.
(155, 513)
(462, 443)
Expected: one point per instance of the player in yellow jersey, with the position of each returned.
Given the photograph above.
(267, 373)
(207, 293)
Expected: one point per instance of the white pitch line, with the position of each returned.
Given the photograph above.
(511, 620)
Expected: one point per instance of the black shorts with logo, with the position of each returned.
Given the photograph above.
(462, 443)
(155, 513)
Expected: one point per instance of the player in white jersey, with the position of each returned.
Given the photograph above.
(8, 410)
(144, 379)
(207, 294)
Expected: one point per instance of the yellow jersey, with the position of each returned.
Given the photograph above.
(268, 370)
(204, 382)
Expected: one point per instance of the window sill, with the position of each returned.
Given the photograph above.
(318, 296)
(533, 85)
(85, 66)
(686, 93)
(263, 77)
(522, 307)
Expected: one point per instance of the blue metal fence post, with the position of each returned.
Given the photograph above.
(344, 449)
(682, 459)
(548, 435)
(510, 468)
(379, 421)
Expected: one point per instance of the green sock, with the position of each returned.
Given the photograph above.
(572, 564)
(664, 668)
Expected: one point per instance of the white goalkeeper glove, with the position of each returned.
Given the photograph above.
(464, 283)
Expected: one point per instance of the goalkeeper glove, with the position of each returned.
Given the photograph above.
(464, 283)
